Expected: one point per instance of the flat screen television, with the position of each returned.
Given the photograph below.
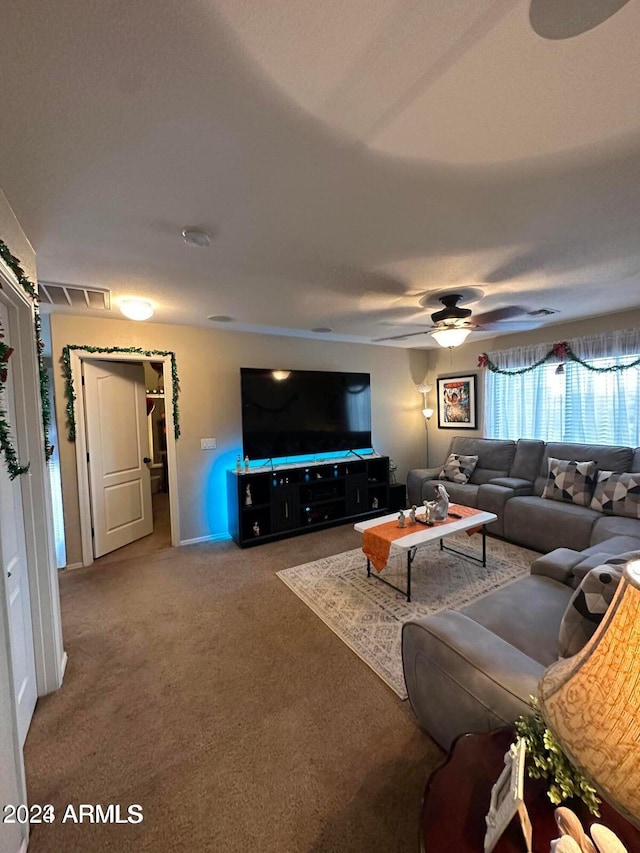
(305, 411)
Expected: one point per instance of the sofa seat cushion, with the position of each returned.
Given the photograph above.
(546, 525)
(571, 481)
(617, 494)
(526, 613)
(458, 468)
(459, 493)
(586, 608)
(608, 526)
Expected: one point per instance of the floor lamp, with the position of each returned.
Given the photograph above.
(424, 388)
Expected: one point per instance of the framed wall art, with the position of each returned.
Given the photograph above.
(457, 402)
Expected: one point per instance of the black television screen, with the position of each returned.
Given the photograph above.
(305, 411)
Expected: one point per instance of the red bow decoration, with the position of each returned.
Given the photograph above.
(5, 355)
(560, 350)
(483, 360)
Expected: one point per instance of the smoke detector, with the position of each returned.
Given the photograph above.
(196, 237)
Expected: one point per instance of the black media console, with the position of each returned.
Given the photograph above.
(267, 504)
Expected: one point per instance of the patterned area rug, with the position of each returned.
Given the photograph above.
(368, 615)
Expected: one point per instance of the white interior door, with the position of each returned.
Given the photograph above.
(117, 443)
(14, 566)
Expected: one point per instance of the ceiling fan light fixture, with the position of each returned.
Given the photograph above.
(450, 337)
(136, 309)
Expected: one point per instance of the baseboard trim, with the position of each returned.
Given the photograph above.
(213, 537)
(73, 566)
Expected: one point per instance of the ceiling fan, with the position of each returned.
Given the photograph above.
(452, 323)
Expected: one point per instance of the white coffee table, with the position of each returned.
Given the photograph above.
(421, 535)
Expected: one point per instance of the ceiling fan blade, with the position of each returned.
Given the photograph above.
(508, 326)
(399, 337)
(498, 314)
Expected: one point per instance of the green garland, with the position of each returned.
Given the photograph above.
(559, 352)
(71, 394)
(5, 433)
(6, 445)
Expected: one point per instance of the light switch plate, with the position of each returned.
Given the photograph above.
(207, 444)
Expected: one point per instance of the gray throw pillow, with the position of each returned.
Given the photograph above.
(570, 481)
(458, 469)
(586, 608)
(617, 494)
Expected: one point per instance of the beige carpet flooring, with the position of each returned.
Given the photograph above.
(156, 541)
(202, 688)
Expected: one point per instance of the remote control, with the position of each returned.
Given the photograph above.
(455, 515)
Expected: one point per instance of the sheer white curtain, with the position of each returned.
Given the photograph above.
(577, 404)
(604, 404)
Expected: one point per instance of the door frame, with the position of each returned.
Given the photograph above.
(28, 434)
(76, 358)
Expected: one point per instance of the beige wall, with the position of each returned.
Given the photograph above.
(464, 360)
(16, 240)
(208, 366)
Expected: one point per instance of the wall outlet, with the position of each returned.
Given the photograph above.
(207, 444)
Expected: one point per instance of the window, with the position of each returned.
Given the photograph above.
(577, 404)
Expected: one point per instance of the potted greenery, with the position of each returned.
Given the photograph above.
(547, 760)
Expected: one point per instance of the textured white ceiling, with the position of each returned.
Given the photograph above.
(351, 157)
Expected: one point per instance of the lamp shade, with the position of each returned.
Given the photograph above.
(591, 701)
(452, 336)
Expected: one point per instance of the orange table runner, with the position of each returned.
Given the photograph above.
(376, 541)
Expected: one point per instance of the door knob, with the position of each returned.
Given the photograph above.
(8, 574)
(146, 459)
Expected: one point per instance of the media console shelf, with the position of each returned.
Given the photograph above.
(266, 504)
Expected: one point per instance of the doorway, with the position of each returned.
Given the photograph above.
(30, 636)
(79, 359)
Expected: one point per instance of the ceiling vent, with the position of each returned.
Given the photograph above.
(542, 312)
(72, 296)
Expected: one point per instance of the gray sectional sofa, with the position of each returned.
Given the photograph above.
(474, 669)
(509, 479)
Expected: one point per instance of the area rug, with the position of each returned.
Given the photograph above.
(368, 615)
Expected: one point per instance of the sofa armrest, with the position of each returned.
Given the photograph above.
(415, 480)
(492, 498)
(427, 473)
(461, 677)
(516, 484)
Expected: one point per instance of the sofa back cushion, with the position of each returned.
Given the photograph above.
(617, 494)
(570, 481)
(494, 456)
(587, 607)
(635, 465)
(609, 458)
(527, 459)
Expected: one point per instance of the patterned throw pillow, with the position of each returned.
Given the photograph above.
(570, 481)
(458, 469)
(617, 494)
(586, 608)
